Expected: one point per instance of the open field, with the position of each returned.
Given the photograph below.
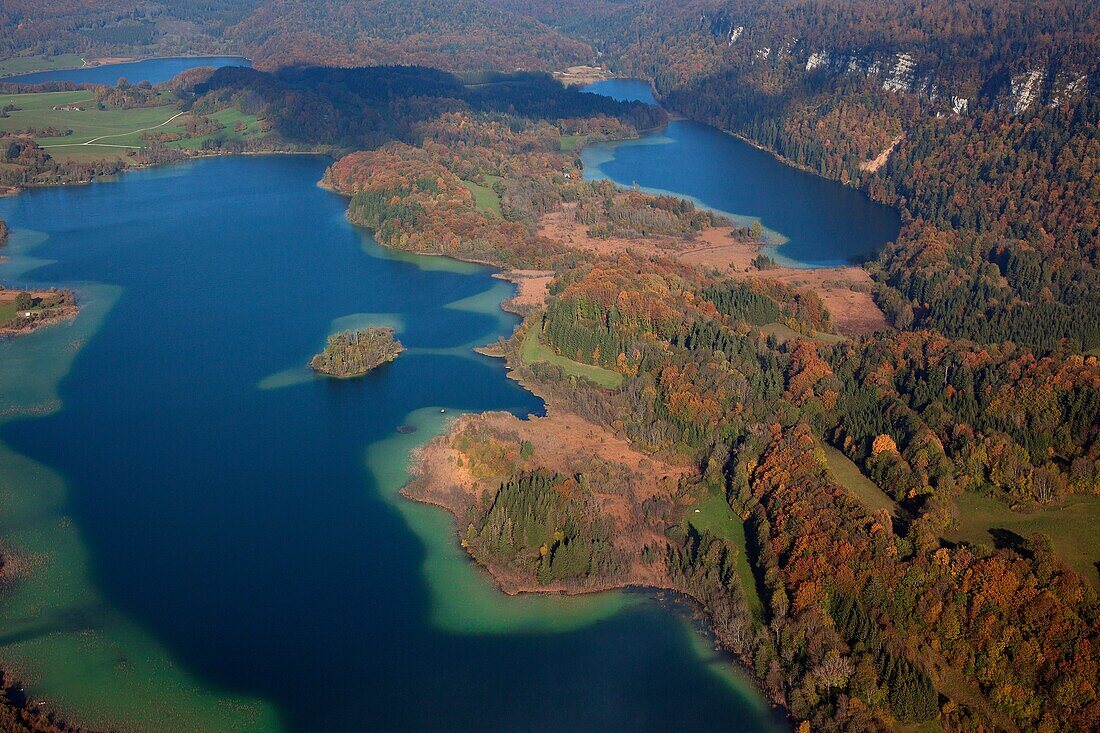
(28, 64)
(1071, 525)
(847, 474)
(37, 111)
(228, 117)
(110, 133)
(569, 143)
(485, 197)
(534, 350)
(784, 333)
(47, 308)
(7, 310)
(713, 514)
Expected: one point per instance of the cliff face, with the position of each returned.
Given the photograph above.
(940, 78)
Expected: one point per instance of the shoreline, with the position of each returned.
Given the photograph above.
(419, 489)
(507, 583)
(188, 157)
(35, 320)
(99, 63)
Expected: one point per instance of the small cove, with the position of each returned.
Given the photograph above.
(810, 221)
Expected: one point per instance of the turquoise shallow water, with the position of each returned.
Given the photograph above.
(210, 537)
(810, 221)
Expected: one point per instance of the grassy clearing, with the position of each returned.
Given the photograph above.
(847, 474)
(114, 131)
(714, 515)
(485, 198)
(783, 334)
(250, 129)
(569, 143)
(37, 111)
(7, 310)
(29, 64)
(1072, 526)
(534, 350)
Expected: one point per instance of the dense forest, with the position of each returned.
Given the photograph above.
(470, 35)
(546, 525)
(988, 109)
(978, 120)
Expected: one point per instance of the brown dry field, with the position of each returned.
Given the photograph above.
(532, 288)
(854, 312)
(565, 443)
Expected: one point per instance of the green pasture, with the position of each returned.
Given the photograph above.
(534, 350)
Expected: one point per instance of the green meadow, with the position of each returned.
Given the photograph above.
(784, 333)
(99, 133)
(713, 514)
(847, 474)
(29, 64)
(534, 350)
(569, 143)
(485, 198)
(1071, 526)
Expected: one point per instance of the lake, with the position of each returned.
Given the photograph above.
(810, 221)
(154, 71)
(208, 537)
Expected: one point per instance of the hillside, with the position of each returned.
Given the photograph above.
(469, 35)
(978, 120)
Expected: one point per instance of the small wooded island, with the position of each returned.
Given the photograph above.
(354, 353)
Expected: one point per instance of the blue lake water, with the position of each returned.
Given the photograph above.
(811, 221)
(624, 90)
(213, 535)
(154, 71)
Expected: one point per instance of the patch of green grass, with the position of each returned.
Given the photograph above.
(29, 64)
(251, 130)
(1071, 526)
(7, 310)
(114, 126)
(569, 143)
(928, 726)
(485, 198)
(828, 338)
(534, 350)
(784, 333)
(847, 474)
(714, 515)
(114, 131)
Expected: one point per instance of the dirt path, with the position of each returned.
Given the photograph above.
(95, 140)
